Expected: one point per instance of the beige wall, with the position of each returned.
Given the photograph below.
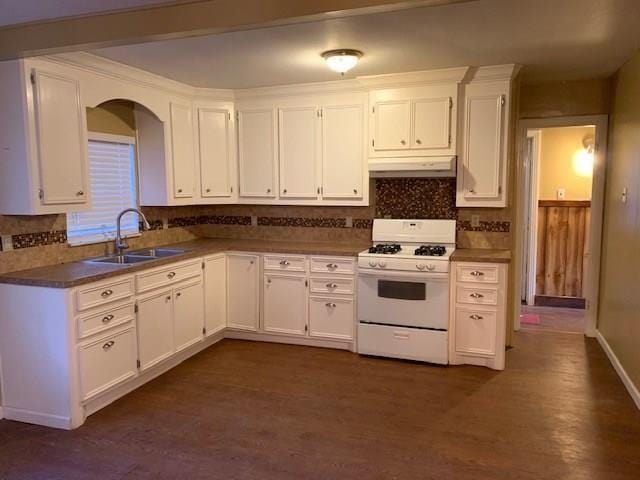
(115, 117)
(558, 148)
(619, 316)
(585, 97)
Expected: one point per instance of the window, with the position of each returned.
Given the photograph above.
(112, 173)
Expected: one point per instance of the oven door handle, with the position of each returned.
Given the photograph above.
(421, 277)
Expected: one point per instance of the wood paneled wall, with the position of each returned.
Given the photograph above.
(562, 244)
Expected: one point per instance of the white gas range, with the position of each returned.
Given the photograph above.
(403, 290)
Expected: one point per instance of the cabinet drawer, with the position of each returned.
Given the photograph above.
(476, 295)
(167, 275)
(285, 263)
(484, 273)
(96, 295)
(105, 319)
(401, 342)
(107, 362)
(331, 318)
(476, 331)
(341, 286)
(333, 265)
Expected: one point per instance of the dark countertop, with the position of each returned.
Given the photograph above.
(72, 274)
(481, 255)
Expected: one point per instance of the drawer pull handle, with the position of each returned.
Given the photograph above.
(107, 319)
(108, 345)
(332, 285)
(400, 336)
(170, 275)
(476, 295)
(330, 305)
(476, 317)
(79, 193)
(332, 266)
(285, 263)
(106, 293)
(476, 273)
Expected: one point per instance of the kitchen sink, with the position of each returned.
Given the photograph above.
(126, 259)
(158, 252)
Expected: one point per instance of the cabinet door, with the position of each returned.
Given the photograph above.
(298, 148)
(476, 331)
(431, 123)
(182, 151)
(342, 151)
(257, 153)
(61, 139)
(215, 152)
(331, 318)
(285, 304)
(188, 314)
(215, 301)
(392, 123)
(483, 151)
(155, 328)
(243, 296)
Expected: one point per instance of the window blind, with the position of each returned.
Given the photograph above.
(112, 175)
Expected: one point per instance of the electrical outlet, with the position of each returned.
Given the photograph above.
(475, 221)
(254, 220)
(561, 193)
(348, 222)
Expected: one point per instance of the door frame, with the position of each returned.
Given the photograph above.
(532, 175)
(592, 276)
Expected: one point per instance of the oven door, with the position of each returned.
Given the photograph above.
(404, 298)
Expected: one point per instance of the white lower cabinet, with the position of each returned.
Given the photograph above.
(331, 317)
(107, 361)
(188, 314)
(155, 328)
(215, 293)
(243, 294)
(285, 304)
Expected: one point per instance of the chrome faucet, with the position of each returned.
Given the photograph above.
(121, 244)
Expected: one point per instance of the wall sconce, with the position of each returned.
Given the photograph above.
(583, 158)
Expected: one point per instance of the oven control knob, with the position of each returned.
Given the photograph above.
(382, 263)
(421, 266)
(431, 267)
(372, 263)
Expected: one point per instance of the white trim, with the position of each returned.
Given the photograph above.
(38, 418)
(111, 138)
(492, 73)
(592, 277)
(422, 77)
(534, 195)
(256, 336)
(622, 373)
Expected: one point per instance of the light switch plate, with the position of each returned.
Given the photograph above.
(561, 193)
(475, 221)
(7, 243)
(348, 222)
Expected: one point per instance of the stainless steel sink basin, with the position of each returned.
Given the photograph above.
(158, 252)
(126, 259)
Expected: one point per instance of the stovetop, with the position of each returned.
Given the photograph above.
(409, 250)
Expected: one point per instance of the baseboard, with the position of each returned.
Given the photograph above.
(559, 302)
(269, 337)
(1, 414)
(37, 418)
(622, 373)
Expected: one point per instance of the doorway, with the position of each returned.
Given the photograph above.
(561, 180)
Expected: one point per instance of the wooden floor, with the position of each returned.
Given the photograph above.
(243, 410)
(571, 320)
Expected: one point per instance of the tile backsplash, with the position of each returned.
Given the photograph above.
(42, 240)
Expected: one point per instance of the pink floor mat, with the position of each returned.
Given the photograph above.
(530, 319)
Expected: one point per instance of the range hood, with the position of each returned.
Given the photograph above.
(413, 167)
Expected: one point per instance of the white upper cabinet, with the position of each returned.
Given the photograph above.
(43, 141)
(413, 121)
(257, 142)
(182, 150)
(482, 166)
(343, 159)
(298, 132)
(216, 147)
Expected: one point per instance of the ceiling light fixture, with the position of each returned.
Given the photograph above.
(342, 60)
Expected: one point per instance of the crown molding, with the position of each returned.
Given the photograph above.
(315, 88)
(490, 73)
(422, 77)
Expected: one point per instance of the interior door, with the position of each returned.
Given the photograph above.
(431, 123)
(257, 153)
(298, 145)
(342, 151)
(155, 328)
(215, 152)
(392, 125)
(182, 150)
(188, 318)
(61, 139)
(285, 304)
(243, 295)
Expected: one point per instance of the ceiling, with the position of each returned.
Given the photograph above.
(554, 40)
(25, 11)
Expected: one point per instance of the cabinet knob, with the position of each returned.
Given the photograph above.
(168, 298)
(355, 190)
(107, 319)
(170, 275)
(471, 190)
(106, 293)
(208, 190)
(330, 305)
(179, 190)
(79, 193)
(332, 285)
(268, 190)
(476, 295)
(178, 295)
(284, 191)
(251, 262)
(331, 266)
(418, 141)
(108, 345)
(476, 273)
(402, 142)
(476, 317)
(268, 280)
